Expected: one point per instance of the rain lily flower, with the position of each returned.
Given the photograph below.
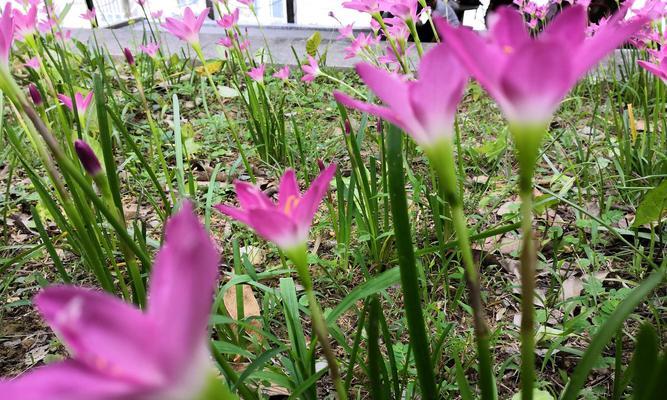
(6, 35)
(157, 14)
(361, 42)
(122, 353)
(25, 25)
(187, 28)
(366, 6)
(129, 57)
(345, 32)
(141, 2)
(248, 3)
(150, 49)
(310, 70)
(403, 9)
(87, 157)
(288, 222)
(226, 41)
(227, 21)
(424, 108)
(35, 95)
(658, 69)
(81, 102)
(283, 73)
(257, 73)
(33, 63)
(529, 76)
(244, 44)
(89, 15)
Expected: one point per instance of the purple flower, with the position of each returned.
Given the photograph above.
(188, 27)
(366, 6)
(529, 76)
(89, 15)
(157, 14)
(346, 32)
(129, 57)
(35, 95)
(287, 223)
(87, 157)
(122, 353)
(424, 108)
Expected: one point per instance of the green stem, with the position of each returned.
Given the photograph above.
(441, 156)
(528, 262)
(406, 258)
(299, 258)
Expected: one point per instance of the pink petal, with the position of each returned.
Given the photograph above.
(387, 86)
(103, 332)
(534, 80)
(251, 197)
(288, 193)
(277, 227)
(67, 380)
(507, 28)
(435, 96)
(181, 290)
(382, 112)
(310, 202)
(238, 214)
(655, 69)
(482, 60)
(569, 27)
(66, 101)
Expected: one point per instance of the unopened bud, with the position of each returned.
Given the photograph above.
(128, 56)
(348, 127)
(35, 95)
(380, 126)
(320, 164)
(87, 157)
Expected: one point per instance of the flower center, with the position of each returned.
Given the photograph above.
(291, 203)
(507, 49)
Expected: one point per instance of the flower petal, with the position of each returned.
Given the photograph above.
(368, 108)
(288, 193)
(181, 291)
(386, 85)
(277, 227)
(534, 81)
(310, 202)
(569, 27)
(508, 28)
(67, 380)
(103, 332)
(251, 197)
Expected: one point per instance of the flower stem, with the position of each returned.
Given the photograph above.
(442, 159)
(528, 261)
(300, 260)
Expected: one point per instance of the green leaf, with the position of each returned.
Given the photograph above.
(537, 395)
(653, 205)
(313, 43)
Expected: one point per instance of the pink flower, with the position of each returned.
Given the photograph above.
(6, 35)
(366, 6)
(361, 42)
(257, 74)
(248, 3)
(25, 24)
(288, 222)
(345, 32)
(283, 73)
(424, 108)
(227, 21)
(244, 44)
(141, 2)
(403, 9)
(187, 28)
(122, 353)
(81, 102)
(33, 63)
(658, 69)
(226, 41)
(87, 157)
(89, 15)
(150, 49)
(156, 14)
(310, 70)
(529, 76)
(65, 34)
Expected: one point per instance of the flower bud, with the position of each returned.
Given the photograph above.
(380, 126)
(320, 164)
(128, 56)
(348, 127)
(35, 95)
(88, 158)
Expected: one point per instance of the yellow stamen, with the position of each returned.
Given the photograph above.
(291, 203)
(507, 49)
